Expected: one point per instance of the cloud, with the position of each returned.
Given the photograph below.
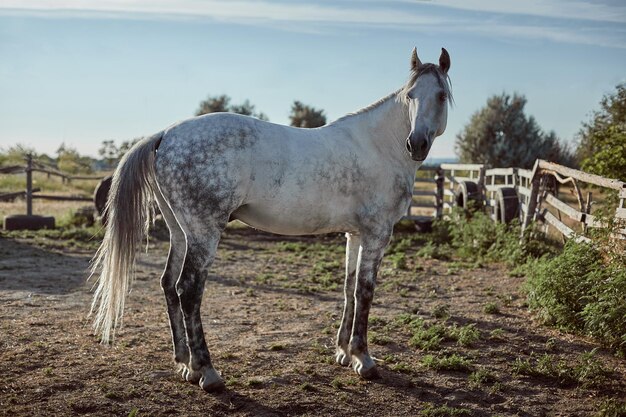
(607, 11)
(229, 10)
(562, 21)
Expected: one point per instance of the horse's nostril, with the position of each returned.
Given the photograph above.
(408, 146)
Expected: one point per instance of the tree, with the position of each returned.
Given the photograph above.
(111, 153)
(306, 116)
(68, 160)
(501, 135)
(221, 104)
(602, 141)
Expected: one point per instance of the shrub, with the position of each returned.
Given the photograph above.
(581, 291)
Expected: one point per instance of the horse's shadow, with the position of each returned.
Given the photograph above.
(21, 269)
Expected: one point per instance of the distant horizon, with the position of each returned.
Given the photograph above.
(81, 73)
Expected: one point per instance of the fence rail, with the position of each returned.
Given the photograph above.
(529, 195)
(506, 193)
(29, 192)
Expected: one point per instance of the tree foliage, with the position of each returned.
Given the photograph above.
(501, 135)
(221, 104)
(111, 153)
(602, 140)
(69, 160)
(306, 116)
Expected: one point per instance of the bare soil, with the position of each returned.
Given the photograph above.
(271, 310)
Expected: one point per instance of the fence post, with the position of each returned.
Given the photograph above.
(29, 185)
(532, 201)
(439, 181)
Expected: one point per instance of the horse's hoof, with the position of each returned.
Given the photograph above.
(369, 374)
(365, 367)
(342, 358)
(193, 376)
(211, 381)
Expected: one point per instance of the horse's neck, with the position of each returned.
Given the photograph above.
(385, 124)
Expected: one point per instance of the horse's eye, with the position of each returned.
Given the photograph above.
(443, 97)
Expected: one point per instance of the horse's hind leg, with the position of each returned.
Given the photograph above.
(342, 355)
(201, 249)
(173, 268)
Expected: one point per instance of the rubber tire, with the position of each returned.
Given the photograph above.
(25, 222)
(100, 196)
(466, 192)
(507, 205)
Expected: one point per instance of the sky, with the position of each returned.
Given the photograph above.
(80, 72)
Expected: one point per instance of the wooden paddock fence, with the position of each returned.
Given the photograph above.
(505, 193)
(527, 195)
(31, 193)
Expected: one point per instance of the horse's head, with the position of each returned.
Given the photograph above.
(427, 94)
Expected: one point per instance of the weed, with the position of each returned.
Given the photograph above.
(133, 413)
(466, 335)
(48, 371)
(398, 260)
(480, 377)
(586, 372)
(375, 321)
(428, 338)
(305, 386)
(378, 339)
(491, 308)
(497, 334)
(452, 362)
(254, 383)
(336, 383)
(441, 311)
(551, 344)
(611, 407)
(431, 410)
(581, 291)
(401, 367)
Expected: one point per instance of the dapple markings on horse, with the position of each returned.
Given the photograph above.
(354, 175)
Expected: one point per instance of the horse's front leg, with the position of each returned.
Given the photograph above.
(342, 355)
(370, 256)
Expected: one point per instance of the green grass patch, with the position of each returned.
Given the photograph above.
(587, 371)
(611, 407)
(491, 308)
(431, 410)
(453, 362)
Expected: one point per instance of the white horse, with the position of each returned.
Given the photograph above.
(354, 175)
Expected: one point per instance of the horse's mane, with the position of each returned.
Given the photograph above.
(402, 93)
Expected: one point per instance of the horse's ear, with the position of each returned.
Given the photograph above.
(444, 61)
(415, 61)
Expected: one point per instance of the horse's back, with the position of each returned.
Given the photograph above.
(276, 178)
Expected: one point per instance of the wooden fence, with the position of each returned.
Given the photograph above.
(505, 193)
(528, 195)
(33, 193)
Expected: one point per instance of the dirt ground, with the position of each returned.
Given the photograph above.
(271, 310)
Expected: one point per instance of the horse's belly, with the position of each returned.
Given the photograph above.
(292, 221)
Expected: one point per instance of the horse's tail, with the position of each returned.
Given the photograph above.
(129, 209)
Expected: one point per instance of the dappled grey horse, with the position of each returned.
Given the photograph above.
(354, 175)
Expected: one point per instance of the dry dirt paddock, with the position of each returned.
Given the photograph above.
(450, 339)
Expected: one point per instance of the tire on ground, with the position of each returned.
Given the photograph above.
(507, 205)
(467, 196)
(25, 222)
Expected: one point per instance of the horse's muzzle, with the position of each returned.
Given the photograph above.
(418, 147)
